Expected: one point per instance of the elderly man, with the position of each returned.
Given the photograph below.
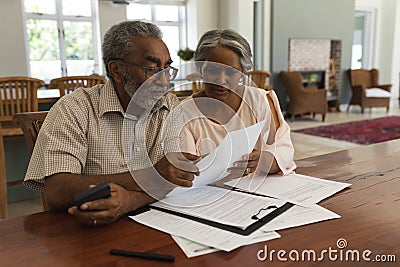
(80, 143)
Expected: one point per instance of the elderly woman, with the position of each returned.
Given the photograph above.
(226, 104)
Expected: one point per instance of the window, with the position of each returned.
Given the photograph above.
(169, 17)
(61, 38)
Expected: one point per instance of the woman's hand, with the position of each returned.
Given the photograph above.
(257, 162)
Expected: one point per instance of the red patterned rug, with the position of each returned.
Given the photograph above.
(361, 132)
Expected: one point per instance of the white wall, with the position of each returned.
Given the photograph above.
(207, 16)
(267, 35)
(387, 46)
(110, 15)
(12, 45)
(237, 15)
(396, 56)
(191, 19)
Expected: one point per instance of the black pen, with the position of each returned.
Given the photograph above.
(145, 255)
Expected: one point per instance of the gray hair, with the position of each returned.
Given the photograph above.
(118, 42)
(225, 38)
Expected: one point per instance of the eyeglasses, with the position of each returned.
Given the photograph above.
(215, 69)
(150, 71)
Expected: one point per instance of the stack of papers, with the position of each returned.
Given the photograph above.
(295, 216)
(201, 219)
(221, 205)
(198, 232)
(237, 208)
(296, 188)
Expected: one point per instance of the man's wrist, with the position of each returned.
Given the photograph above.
(138, 199)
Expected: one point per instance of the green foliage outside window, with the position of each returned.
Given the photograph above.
(78, 40)
(43, 40)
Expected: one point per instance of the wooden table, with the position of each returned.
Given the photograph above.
(370, 212)
(48, 95)
(43, 95)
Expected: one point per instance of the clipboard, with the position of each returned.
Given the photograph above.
(247, 231)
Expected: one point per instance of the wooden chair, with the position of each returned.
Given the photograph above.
(17, 94)
(68, 84)
(197, 86)
(30, 123)
(259, 77)
(185, 93)
(182, 94)
(197, 83)
(367, 92)
(303, 100)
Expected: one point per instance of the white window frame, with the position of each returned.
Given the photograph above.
(60, 18)
(368, 38)
(181, 23)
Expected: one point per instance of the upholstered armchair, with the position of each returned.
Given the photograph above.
(366, 91)
(303, 100)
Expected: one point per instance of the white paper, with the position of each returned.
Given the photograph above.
(192, 230)
(214, 166)
(221, 205)
(298, 215)
(296, 188)
(193, 249)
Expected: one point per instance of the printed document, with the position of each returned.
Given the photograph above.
(213, 167)
(221, 205)
(295, 188)
(198, 232)
(193, 249)
(298, 215)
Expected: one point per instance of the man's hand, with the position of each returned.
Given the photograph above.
(106, 210)
(178, 168)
